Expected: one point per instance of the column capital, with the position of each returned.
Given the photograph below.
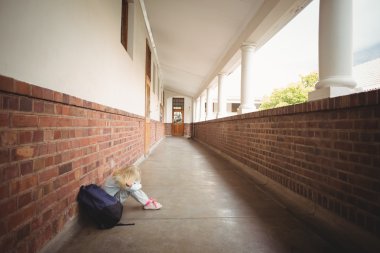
(248, 46)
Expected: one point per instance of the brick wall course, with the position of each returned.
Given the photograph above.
(51, 143)
(168, 129)
(327, 151)
(157, 132)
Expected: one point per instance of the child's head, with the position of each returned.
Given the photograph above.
(127, 174)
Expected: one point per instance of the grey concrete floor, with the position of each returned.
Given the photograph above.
(208, 206)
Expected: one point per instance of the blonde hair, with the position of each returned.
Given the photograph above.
(129, 173)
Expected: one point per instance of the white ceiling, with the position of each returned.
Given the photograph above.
(197, 39)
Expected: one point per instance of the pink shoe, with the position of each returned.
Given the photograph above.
(152, 205)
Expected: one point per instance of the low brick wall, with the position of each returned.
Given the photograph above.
(188, 130)
(157, 132)
(168, 129)
(326, 151)
(51, 143)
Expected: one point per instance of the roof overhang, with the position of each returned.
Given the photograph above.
(196, 40)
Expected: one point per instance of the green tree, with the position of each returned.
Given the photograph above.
(294, 93)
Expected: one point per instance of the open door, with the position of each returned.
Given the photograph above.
(147, 99)
(178, 117)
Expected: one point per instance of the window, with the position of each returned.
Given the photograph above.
(177, 117)
(148, 61)
(234, 107)
(214, 107)
(154, 78)
(178, 103)
(124, 24)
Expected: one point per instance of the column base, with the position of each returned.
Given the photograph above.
(329, 92)
(245, 109)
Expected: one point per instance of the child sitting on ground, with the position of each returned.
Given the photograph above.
(125, 182)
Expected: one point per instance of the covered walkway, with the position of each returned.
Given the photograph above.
(209, 206)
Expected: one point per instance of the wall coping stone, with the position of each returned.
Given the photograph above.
(367, 98)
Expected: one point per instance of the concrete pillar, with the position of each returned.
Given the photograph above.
(222, 104)
(198, 109)
(202, 108)
(247, 99)
(194, 110)
(209, 107)
(335, 50)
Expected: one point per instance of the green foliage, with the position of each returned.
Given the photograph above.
(309, 80)
(294, 93)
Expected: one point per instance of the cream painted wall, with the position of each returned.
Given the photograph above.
(73, 46)
(188, 113)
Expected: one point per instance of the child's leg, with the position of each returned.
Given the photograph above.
(122, 196)
(141, 197)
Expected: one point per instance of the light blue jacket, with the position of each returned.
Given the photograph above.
(112, 187)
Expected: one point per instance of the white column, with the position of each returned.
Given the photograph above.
(198, 109)
(209, 107)
(222, 105)
(194, 110)
(335, 50)
(247, 99)
(202, 108)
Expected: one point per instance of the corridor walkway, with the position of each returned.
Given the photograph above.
(208, 206)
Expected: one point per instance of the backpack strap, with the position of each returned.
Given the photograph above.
(125, 224)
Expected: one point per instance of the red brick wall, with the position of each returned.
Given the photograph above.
(157, 131)
(188, 129)
(327, 151)
(168, 129)
(52, 143)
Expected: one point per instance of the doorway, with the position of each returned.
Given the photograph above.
(178, 124)
(148, 63)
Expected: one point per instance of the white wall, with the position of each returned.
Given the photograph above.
(73, 46)
(188, 112)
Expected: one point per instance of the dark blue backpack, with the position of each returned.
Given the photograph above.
(104, 209)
